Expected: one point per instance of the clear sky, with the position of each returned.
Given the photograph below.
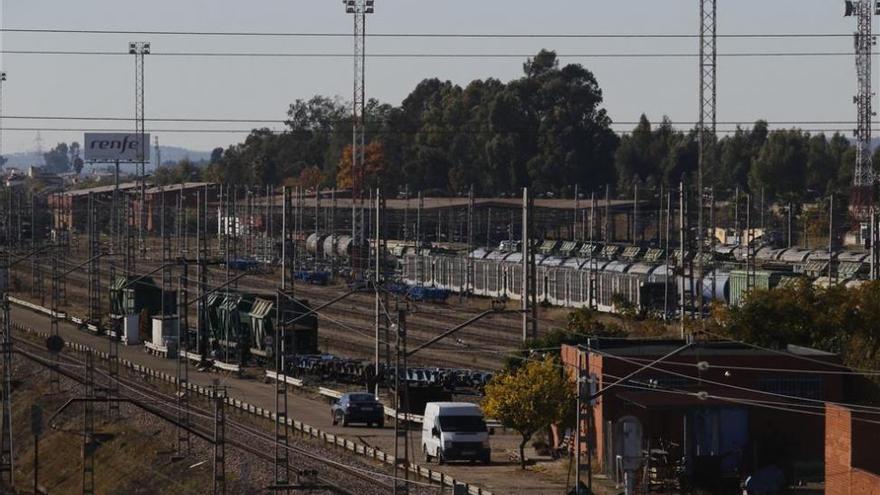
(778, 89)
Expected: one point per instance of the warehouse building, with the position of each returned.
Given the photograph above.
(70, 208)
(725, 409)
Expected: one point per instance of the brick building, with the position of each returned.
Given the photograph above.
(69, 209)
(188, 191)
(852, 463)
(725, 409)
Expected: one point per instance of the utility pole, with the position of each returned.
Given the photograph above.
(112, 361)
(706, 126)
(682, 255)
(2, 80)
(875, 266)
(526, 248)
(88, 433)
(830, 236)
(53, 318)
(219, 395)
(6, 458)
(282, 456)
(115, 225)
(94, 267)
(750, 281)
(669, 270)
(401, 402)
(609, 238)
(139, 49)
(635, 213)
(421, 205)
(202, 246)
(183, 440)
(158, 152)
(469, 267)
(582, 433)
(376, 292)
(591, 281)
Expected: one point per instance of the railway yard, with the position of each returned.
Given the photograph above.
(506, 261)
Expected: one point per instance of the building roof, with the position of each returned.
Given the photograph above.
(178, 187)
(660, 347)
(100, 189)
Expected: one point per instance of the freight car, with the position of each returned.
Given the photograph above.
(242, 327)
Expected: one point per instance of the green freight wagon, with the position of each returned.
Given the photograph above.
(763, 279)
(242, 327)
(131, 295)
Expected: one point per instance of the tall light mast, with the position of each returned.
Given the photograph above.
(139, 49)
(706, 124)
(359, 9)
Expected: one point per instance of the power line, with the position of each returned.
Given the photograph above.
(854, 407)
(419, 35)
(346, 132)
(655, 125)
(416, 55)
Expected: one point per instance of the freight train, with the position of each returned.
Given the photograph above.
(613, 278)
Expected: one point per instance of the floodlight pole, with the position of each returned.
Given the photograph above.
(706, 126)
(359, 9)
(139, 49)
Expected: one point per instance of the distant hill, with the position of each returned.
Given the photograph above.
(169, 154)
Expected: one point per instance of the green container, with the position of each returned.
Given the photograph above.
(132, 295)
(762, 279)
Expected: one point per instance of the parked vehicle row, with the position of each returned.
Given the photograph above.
(357, 371)
(451, 431)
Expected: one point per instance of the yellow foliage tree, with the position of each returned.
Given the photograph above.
(374, 165)
(530, 399)
(310, 178)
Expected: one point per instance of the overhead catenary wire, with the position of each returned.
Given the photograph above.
(854, 407)
(282, 121)
(317, 34)
(343, 131)
(797, 356)
(172, 404)
(783, 406)
(417, 55)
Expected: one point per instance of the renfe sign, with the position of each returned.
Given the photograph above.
(103, 147)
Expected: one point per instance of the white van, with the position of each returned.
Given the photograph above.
(455, 431)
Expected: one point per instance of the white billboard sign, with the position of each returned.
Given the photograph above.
(110, 147)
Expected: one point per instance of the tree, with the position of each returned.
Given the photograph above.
(530, 399)
(781, 167)
(310, 178)
(184, 171)
(374, 166)
(57, 159)
(216, 155)
(835, 319)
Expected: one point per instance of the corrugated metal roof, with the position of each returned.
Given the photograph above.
(100, 189)
(262, 308)
(178, 187)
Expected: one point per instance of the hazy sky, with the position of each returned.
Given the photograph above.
(778, 89)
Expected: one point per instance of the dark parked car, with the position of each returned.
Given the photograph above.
(359, 407)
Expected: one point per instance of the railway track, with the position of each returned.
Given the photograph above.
(333, 473)
(481, 345)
